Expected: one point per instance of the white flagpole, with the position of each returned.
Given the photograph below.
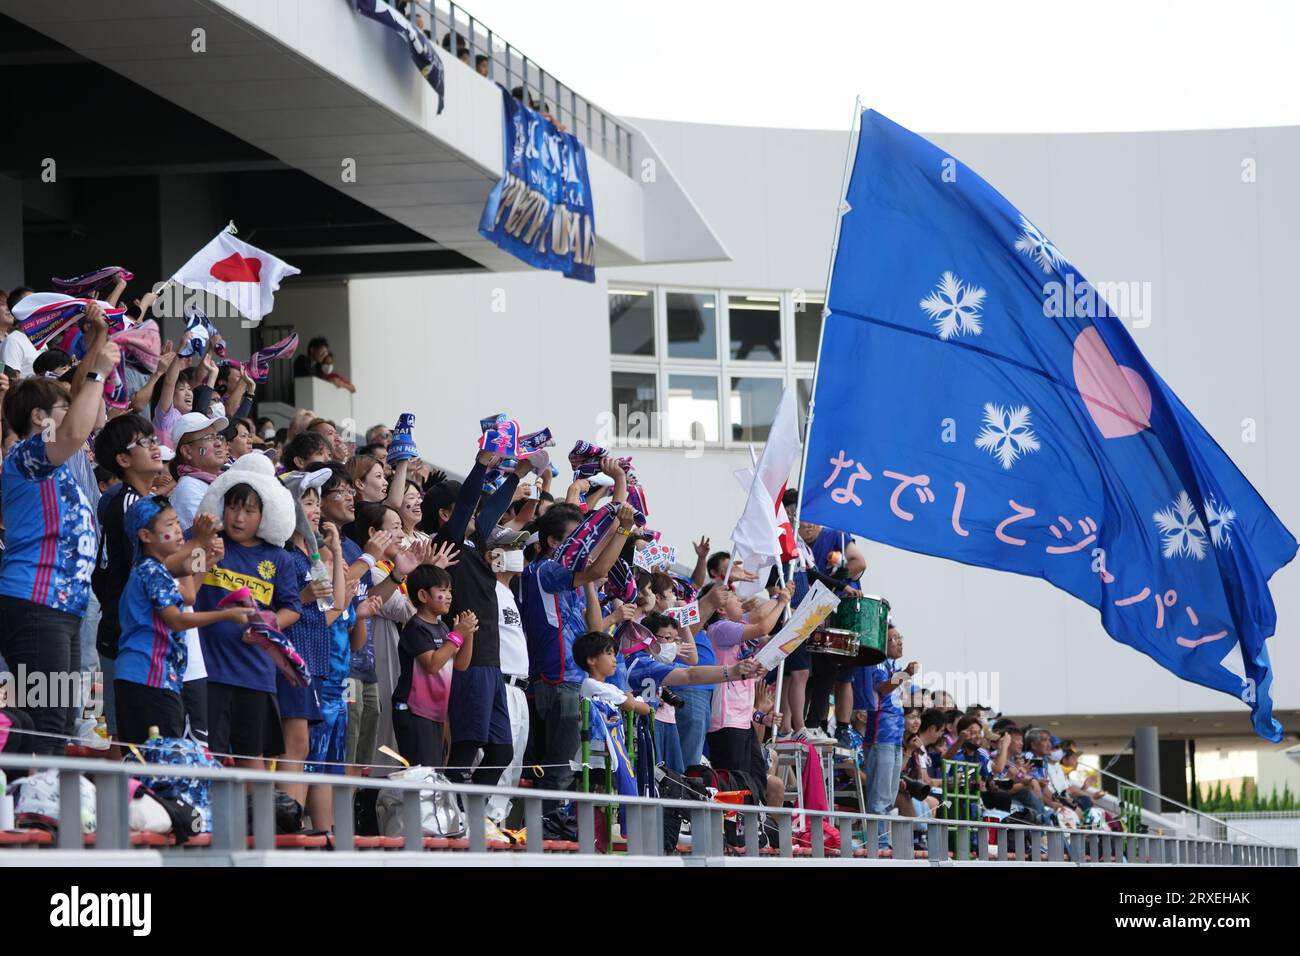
(854, 129)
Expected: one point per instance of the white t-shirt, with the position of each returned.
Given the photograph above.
(194, 666)
(186, 498)
(18, 352)
(514, 646)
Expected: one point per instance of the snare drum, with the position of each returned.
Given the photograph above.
(867, 618)
(833, 640)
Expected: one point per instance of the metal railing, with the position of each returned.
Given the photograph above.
(598, 129)
(975, 840)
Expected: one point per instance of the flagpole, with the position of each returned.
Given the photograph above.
(854, 130)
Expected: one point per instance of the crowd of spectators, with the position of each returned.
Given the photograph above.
(287, 596)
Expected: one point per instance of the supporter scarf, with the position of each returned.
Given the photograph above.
(85, 284)
(200, 332)
(259, 365)
(621, 582)
(585, 459)
(140, 344)
(502, 438)
(207, 476)
(57, 318)
(685, 590)
(498, 429)
(636, 495)
(575, 551)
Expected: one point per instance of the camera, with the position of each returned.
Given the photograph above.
(675, 701)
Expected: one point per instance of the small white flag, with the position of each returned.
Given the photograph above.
(240, 274)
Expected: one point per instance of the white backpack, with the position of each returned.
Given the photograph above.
(36, 801)
(440, 815)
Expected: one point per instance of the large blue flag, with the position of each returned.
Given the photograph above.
(960, 411)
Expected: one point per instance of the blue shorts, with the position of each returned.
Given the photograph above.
(800, 659)
(477, 710)
(302, 703)
(329, 738)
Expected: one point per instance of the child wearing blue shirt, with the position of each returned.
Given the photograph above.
(257, 517)
(151, 654)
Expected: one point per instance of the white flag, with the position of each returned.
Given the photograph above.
(757, 535)
(242, 275)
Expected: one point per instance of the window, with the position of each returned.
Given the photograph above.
(693, 409)
(753, 403)
(754, 327)
(632, 321)
(692, 325)
(708, 365)
(807, 327)
(635, 405)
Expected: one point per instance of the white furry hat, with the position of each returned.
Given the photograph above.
(278, 509)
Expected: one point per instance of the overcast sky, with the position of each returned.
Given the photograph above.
(978, 65)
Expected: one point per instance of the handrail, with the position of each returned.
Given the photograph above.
(1182, 806)
(644, 815)
(509, 66)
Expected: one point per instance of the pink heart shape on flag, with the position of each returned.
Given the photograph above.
(1117, 396)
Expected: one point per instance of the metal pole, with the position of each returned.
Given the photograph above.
(1146, 746)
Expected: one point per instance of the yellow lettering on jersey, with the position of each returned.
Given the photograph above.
(262, 591)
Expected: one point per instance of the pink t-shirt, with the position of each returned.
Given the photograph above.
(733, 701)
(430, 692)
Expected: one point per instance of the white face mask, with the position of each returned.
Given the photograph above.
(327, 369)
(666, 654)
(511, 561)
(268, 433)
(1057, 754)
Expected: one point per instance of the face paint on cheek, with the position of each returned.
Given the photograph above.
(168, 537)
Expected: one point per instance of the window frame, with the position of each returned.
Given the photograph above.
(722, 368)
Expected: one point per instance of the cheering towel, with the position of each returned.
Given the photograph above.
(87, 283)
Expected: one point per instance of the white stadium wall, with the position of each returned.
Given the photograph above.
(1170, 209)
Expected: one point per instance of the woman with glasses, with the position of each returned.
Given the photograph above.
(50, 533)
(200, 455)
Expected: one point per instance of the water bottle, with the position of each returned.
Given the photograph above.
(321, 573)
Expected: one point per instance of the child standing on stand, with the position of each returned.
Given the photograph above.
(426, 648)
(151, 654)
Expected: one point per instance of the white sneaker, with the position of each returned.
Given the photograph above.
(816, 735)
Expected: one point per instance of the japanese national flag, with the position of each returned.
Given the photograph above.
(241, 274)
(757, 537)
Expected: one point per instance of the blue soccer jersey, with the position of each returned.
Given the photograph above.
(50, 536)
(267, 571)
(148, 651)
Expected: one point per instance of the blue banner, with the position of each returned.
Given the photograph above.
(541, 211)
(960, 412)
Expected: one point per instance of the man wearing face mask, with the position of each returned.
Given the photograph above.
(506, 557)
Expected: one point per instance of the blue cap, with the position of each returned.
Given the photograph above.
(1056, 741)
(139, 516)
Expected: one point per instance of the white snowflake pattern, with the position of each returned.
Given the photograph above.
(954, 306)
(1220, 518)
(1181, 528)
(1038, 247)
(1006, 434)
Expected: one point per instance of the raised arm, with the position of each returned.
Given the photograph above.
(87, 397)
